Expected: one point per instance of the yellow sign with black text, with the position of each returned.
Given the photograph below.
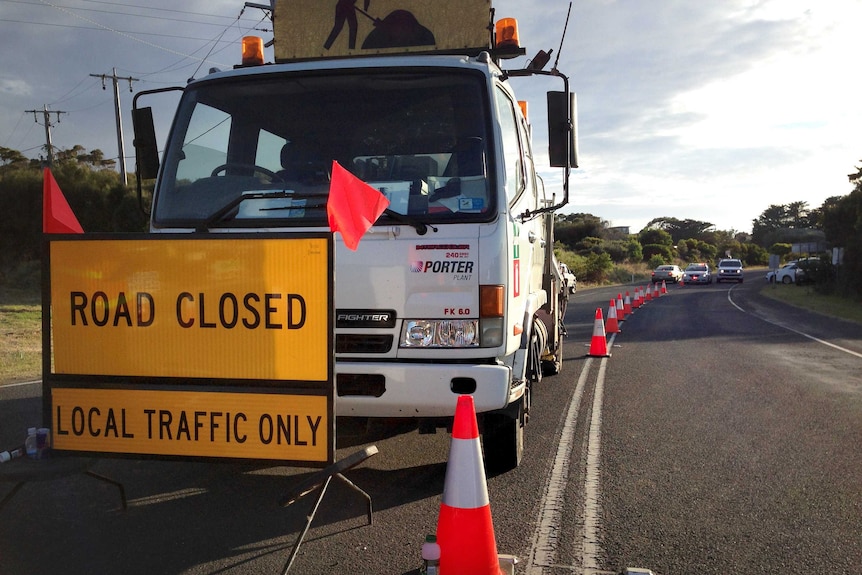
(192, 423)
(231, 308)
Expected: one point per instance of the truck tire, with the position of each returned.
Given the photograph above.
(503, 439)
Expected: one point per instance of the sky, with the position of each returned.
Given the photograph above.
(707, 110)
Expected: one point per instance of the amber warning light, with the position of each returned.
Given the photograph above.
(507, 33)
(252, 51)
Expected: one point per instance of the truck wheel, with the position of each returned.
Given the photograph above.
(503, 439)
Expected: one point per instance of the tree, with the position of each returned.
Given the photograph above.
(780, 249)
(12, 160)
(655, 236)
(679, 229)
(791, 222)
(100, 201)
(573, 228)
(842, 224)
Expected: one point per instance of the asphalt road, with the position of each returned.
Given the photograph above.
(714, 440)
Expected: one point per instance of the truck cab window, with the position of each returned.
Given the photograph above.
(512, 156)
(206, 143)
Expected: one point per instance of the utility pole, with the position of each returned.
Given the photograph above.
(120, 145)
(46, 114)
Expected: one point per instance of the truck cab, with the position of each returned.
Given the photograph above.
(453, 290)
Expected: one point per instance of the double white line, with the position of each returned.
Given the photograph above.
(546, 538)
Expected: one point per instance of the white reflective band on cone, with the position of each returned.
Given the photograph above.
(465, 486)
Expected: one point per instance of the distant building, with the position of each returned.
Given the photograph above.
(624, 230)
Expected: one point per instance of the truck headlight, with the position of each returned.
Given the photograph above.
(449, 333)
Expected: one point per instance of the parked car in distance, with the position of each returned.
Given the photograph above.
(696, 274)
(569, 278)
(667, 273)
(786, 274)
(729, 269)
(813, 270)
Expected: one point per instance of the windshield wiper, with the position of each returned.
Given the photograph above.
(420, 227)
(223, 212)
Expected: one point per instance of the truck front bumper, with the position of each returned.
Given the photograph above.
(420, 390)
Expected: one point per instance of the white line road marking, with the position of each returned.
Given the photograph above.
(21, 383)
(592, 483)
(546, 537)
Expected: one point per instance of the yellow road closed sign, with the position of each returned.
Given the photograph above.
(190, 345)
(208, 308)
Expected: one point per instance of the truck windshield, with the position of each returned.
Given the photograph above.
(420, 138)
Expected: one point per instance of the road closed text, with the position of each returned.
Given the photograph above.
(207, 424)
(225, 310)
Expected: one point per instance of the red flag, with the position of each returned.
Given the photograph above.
(57, 216)
(353, 206)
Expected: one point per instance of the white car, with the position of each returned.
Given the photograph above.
(786, 274)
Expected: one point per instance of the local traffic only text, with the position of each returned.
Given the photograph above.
(247, 425)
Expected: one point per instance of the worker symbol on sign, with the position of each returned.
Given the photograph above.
(345, 11)
(398, 29)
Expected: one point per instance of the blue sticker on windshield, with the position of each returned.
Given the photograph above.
(470, 204)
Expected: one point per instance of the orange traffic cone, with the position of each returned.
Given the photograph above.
(621, 308)
(637, 302)
(648, 295)
(599, 343)
(656, 293)
(663, 287)
(465, 531)
(627, 304)
(612, 325)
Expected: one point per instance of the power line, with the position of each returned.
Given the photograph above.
(101, 28)
(118, 13)
(125, 35)
(125, 5)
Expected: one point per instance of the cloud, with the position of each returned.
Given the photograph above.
(14, 87)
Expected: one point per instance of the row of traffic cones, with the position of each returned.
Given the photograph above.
(465, 529)
(618, 310)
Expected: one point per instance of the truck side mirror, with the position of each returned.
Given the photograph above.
(562, 129)
(146, 148)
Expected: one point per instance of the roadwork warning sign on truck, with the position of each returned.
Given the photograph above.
(310, 30)
(191, 346)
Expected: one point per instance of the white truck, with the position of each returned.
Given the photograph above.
(453, 290)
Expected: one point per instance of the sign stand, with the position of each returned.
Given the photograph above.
(321, 479)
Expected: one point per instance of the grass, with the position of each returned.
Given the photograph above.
(20, 335)
(805, 297)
